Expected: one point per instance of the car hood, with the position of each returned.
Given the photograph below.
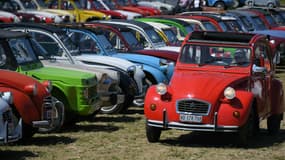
(67, 76)
(98, 70)
(169, 48)
(140, 59)
(130, 15)
(57, 19)
(156, 4)
(105, 60)
(93, 13)
(202, 85)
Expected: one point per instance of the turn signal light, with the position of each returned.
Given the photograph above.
(153, 107)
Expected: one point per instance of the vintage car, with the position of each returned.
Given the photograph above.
(182, 28)
(146, 34)
(123, 39)
(41, 6)
(10, 126)
(75, 7)
(156, 69)
(223, 82)
(122, 6)
(60, 51)
(222, 4)
(111, 7)
(134, 3)
(254, 20)
(75, 89)
(158, 4)
(18, 7)
(263, 3)
(33, 103)
(167, 32)
(7, 17)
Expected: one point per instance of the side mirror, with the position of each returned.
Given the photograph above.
(257, 69)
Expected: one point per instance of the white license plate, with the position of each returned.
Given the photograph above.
(190, 118)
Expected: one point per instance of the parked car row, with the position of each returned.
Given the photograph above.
(197, 71)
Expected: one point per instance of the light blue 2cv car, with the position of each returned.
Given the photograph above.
(93, 43)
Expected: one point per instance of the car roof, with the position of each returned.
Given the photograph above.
(137, 23)
(233, 37)
(49, 28)
(4, 34)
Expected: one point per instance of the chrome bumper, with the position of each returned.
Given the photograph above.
(15, 136)
(191, 127)
(51, 117)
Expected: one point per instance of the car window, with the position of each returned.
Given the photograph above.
(3, 57)
(215, 55)
(85, 43)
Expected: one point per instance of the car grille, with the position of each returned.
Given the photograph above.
(190, 106)
(7, 116)
(47, 108)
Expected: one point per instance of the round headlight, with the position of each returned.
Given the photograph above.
(161, 88)
(230, 93)
(131, 70)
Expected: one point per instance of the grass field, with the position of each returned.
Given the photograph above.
(122, 137)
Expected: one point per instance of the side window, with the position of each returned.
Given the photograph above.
(261, 58)
(3, 57)
(49, 44)
(85, 43)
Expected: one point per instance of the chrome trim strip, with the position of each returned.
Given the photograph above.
(193, 127)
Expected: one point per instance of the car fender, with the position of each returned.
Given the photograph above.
(241, 104)
(277, 97)
(24, 105)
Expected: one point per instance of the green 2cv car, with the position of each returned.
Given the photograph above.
(75, 89)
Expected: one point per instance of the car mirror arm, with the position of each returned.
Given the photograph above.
(258, 69)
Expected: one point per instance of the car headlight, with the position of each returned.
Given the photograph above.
(230, 93)
(161, 89)
(8, 97)
(31, 89)
(131, 70)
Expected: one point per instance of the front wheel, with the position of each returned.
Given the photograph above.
(153, 133)
(273, 124)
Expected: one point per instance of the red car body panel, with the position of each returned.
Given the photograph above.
(153, 11)
(28, 106)
(132, 9)
(197, 90)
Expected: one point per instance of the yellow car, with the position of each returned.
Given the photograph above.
(74, 7)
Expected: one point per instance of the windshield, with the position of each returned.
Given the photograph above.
(233, 26)
(155, 38)
(259, 23)
(209, 26)
(22, 50)
(105, 42)
(172, 38)
(223, 26)
(188, 29)
(28, 4)
(68, 43)
(215, 55)
(270, 20)
(110, 4)
(246, 23)
(132, 41)
(96, 5)
(122, 2)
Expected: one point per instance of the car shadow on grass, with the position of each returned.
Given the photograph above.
(121, 118)
(224, 140)
(46, 140)
(16, 155)
(89, 127)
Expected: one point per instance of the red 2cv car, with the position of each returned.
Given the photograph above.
(228, 92)
(32, 102)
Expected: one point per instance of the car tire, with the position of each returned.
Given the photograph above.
(153, 133)
(248, 130)
(273, 124)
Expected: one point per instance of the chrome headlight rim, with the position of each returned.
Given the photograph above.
(230, 93)
(161, 88)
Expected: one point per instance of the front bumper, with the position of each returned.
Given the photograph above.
(5, 137)
(191, 127)
(52, 114)
(139, 99)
